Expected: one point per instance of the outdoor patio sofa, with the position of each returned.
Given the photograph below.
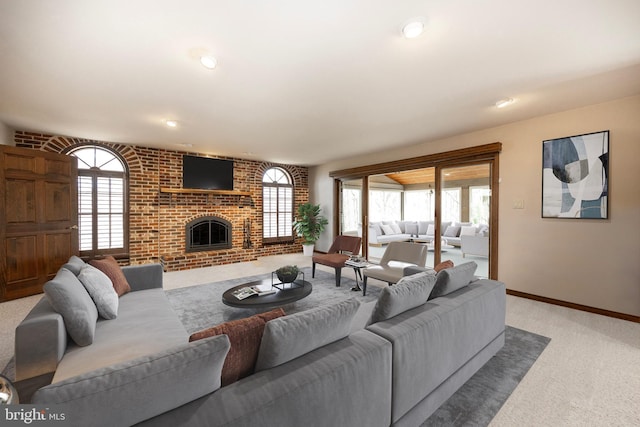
(383, 232)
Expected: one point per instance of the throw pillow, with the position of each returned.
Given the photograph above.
(396, 228)
(452, 231)
(411, 228)
(245, 336)
(410, 292)
(110, 267)
(289, 337)
(100, 290)
(423, 226)
(444, 264)
(467, 231)
(74, 264)
(431, 230)
(130, 392)
(377, 227)
(68, 297)
(452, 279)
(386, 229)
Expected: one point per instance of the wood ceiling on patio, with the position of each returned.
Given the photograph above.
(426, 175)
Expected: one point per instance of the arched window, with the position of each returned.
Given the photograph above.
(277, 206)
(102, 201)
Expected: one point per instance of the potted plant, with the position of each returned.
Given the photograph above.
(288, 273)
(309, 224)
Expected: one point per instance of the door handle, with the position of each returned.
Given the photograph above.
(73, 227)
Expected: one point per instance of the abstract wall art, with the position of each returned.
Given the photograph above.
(575, 176)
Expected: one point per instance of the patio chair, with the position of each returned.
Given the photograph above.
(397, 257)
(339, 252)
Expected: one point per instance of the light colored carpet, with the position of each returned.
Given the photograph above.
(479, 399)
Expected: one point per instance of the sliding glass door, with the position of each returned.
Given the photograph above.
(350, 204)
(465, 206)
(447, 201)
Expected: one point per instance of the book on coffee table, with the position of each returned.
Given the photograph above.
(259, 290)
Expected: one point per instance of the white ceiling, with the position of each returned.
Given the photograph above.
(301, 81)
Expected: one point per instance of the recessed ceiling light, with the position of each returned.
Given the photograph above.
(171, 123)
(413, 29)
(185, 144)
(505, 102)
(208, 61)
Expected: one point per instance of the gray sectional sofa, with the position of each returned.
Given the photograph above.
(391, 362)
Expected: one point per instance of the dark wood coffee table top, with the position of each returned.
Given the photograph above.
(281, 297)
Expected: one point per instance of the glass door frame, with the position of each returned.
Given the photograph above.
(488, 153)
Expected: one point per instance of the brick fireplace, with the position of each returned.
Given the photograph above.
(157, 220)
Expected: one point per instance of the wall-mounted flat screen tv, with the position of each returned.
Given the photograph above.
(205, 173)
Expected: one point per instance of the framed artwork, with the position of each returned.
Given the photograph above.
(575, 176)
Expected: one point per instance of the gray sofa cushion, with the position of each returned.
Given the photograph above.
(410, 292)
(100, 290)
(146, 324)
(133, 391)
(69, 298)
(452, 279)
(344, 384)
(433, 341)
(288, 337)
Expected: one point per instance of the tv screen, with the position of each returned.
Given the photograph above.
(204, 173)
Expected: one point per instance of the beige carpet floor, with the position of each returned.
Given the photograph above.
(589, 374)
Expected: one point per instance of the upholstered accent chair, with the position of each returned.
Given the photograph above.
(339, 252)
(397, 257)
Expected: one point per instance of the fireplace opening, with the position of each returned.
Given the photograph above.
(208, 233)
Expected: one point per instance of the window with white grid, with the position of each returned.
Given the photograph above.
(102, 212)
(277, 206)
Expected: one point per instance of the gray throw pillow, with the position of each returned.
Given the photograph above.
(410, 292)
(100, 290)
(423, 226)
(74, 265)
(452, 279)
(130, 392)
(411, 228)
(452, 231)
(69, 298)
(288, 337)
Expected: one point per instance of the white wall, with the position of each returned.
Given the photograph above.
(6, 135)
(590, 262)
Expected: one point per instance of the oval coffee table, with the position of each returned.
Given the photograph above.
(281, 297)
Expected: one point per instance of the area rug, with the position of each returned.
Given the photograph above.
(479, 399)
(200, 306)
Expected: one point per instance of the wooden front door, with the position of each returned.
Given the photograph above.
(39, 223)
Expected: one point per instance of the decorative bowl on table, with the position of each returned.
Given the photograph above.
(288, 273)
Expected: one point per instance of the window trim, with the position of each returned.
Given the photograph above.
(118, 253)
(278, 239)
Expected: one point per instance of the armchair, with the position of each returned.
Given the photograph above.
(335, 257)
(397, 257)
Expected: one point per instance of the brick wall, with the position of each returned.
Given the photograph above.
(157, 220)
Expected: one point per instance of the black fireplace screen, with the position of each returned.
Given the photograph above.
(210, 233)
